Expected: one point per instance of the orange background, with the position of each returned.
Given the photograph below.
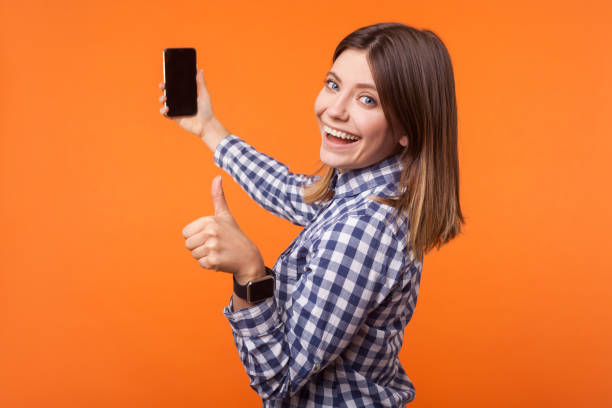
(101, 304)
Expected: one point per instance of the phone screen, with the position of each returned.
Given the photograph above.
(180, 83)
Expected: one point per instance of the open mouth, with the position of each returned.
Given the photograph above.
(338, 137)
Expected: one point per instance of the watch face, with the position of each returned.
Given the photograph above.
(260, 290)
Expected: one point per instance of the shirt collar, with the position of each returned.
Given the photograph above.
(353, 182)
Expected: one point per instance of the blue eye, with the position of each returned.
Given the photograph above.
(373, 102)
(328, 81)
(330, 84)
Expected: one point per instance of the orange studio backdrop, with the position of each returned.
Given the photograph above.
(101, 304)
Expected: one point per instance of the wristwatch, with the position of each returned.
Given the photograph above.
(257, 290)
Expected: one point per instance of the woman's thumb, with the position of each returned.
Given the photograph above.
(218, 197)
(200, 79)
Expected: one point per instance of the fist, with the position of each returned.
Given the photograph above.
(218, 243)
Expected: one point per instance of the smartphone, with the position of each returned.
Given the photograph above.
(181, 89)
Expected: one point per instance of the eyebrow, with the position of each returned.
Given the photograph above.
(361, 85)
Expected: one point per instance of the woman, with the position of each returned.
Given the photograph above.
(328, 331)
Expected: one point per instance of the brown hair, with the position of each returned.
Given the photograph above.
(414, 78)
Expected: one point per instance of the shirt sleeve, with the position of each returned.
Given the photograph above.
(350, 270)
(266, 180)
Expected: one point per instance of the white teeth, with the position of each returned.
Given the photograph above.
(339, 134)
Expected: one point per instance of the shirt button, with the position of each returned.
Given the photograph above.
(316, 367)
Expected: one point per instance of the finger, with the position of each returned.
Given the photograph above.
(204, 263)
(161, 85)
(196, 226)
(200, 78)
(218, 197)
(209, 262)
(211, 244)
(164, 110)
(201, 83)
(162, 98)
(200, 238)
(200, 252)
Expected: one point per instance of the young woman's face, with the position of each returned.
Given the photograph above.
(349, 103)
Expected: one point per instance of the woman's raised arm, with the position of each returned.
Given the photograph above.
(266, 180)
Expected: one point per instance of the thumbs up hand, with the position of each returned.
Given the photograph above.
(218, 243)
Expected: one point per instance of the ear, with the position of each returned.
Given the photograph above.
(403, 141)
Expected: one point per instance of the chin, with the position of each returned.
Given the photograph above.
(332, 160)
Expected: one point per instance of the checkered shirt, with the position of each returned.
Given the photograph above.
(345, 289)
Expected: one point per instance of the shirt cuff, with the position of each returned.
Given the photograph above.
(223, 147)
(254, 321)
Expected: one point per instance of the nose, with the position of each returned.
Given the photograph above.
(338, 108)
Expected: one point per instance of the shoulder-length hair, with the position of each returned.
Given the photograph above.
(414, 78)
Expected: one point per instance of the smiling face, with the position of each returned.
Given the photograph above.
(355, 133)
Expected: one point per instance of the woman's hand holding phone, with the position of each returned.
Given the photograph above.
(203, 124)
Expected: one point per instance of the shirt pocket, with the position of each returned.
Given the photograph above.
(291, 263)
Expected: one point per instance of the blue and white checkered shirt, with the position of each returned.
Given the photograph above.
(345, 289)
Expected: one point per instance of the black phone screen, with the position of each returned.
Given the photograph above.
(180, 83)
